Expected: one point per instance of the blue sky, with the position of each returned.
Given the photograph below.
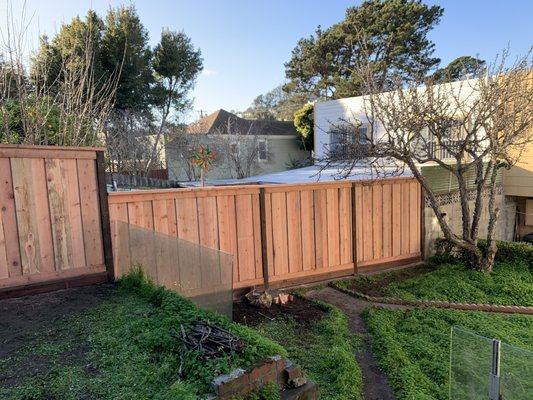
(245, 43)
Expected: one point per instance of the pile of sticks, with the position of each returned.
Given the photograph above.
(209, 340)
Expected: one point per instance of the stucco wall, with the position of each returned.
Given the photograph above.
(452, 207)
(280, 148)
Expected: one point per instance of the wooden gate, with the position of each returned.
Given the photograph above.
(50, 216)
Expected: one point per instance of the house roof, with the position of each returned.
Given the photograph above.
(314, 173)
(224, 122)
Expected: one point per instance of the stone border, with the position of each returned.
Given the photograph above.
(495, 308)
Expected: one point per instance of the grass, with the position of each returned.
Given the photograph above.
(511, 283)
(126, 348)
(413, 346)
(325, 351)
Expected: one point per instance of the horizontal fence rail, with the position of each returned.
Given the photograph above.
(50, 217)
(283, 233)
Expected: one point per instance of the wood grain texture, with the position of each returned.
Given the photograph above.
(279, 234)
(294, 231)
(9, 220)
(90, 212)
(308, 230)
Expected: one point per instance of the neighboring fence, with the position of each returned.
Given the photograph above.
(280, 233)
(132, 181)
(50, 215)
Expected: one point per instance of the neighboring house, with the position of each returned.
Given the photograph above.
(329, 115)
(518, 182)
(244, 147)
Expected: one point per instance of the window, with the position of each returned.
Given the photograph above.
(342, 136)
(234, 148)
(262, 150)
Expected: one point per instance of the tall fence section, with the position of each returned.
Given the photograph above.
(50, 216)
(279, 234)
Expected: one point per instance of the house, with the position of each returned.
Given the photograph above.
(243, 147)
(518, 185)
(515, 187)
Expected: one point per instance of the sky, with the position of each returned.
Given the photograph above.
(246, 43)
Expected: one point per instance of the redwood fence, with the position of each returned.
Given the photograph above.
(50, 215)
(55, 216)
(287, 233)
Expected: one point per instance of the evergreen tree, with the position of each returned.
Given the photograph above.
(125, 47)
(391, 34)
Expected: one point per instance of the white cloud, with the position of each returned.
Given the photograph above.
(209, 72)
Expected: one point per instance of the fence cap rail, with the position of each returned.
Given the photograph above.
(58, 152)
(49, 147)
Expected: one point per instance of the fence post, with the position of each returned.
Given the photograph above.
(104, 215)
(264, 250)
(422, 222)
(354, 227)
(494, 377)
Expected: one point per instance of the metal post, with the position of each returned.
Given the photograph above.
(494, 377)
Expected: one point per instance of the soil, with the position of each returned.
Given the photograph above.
(375, 383)
(26, 320)
(375, 287)
(303, 311)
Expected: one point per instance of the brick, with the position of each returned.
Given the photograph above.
(261, 370)
(292, 372)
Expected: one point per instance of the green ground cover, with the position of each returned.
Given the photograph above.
(124, 348)
(412, 347)
(511, 283)
(324, 349)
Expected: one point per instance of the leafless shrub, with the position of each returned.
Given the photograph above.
(71, 110)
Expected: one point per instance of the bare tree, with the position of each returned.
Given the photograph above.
(72, 110)
(128, 141)
(240, 147)
(481, 125)
(183, 145)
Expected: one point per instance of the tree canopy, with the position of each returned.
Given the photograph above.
(304, 124)
(390, 34)
(461, 67)
(278, 104)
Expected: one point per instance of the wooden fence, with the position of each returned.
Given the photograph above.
(50, 214)
(282, 233)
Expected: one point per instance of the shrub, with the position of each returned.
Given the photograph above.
(507, 251)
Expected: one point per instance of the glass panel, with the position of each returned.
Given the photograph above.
(471, 358)
(470, 365)
(516, 370)
(196, 272)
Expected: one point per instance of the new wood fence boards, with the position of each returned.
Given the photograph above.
(290, 232)
(222, 218)
(50, 225)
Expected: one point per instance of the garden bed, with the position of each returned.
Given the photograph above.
(316, 336)
(100, 343)
(412, 346)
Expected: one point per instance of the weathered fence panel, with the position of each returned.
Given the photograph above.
(50, 226)
(279, 233)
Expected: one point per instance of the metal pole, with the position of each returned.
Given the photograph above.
(494, 377)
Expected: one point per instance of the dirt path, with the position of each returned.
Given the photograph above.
(375, 383)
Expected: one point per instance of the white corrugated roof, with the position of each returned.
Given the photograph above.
(311, 174)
